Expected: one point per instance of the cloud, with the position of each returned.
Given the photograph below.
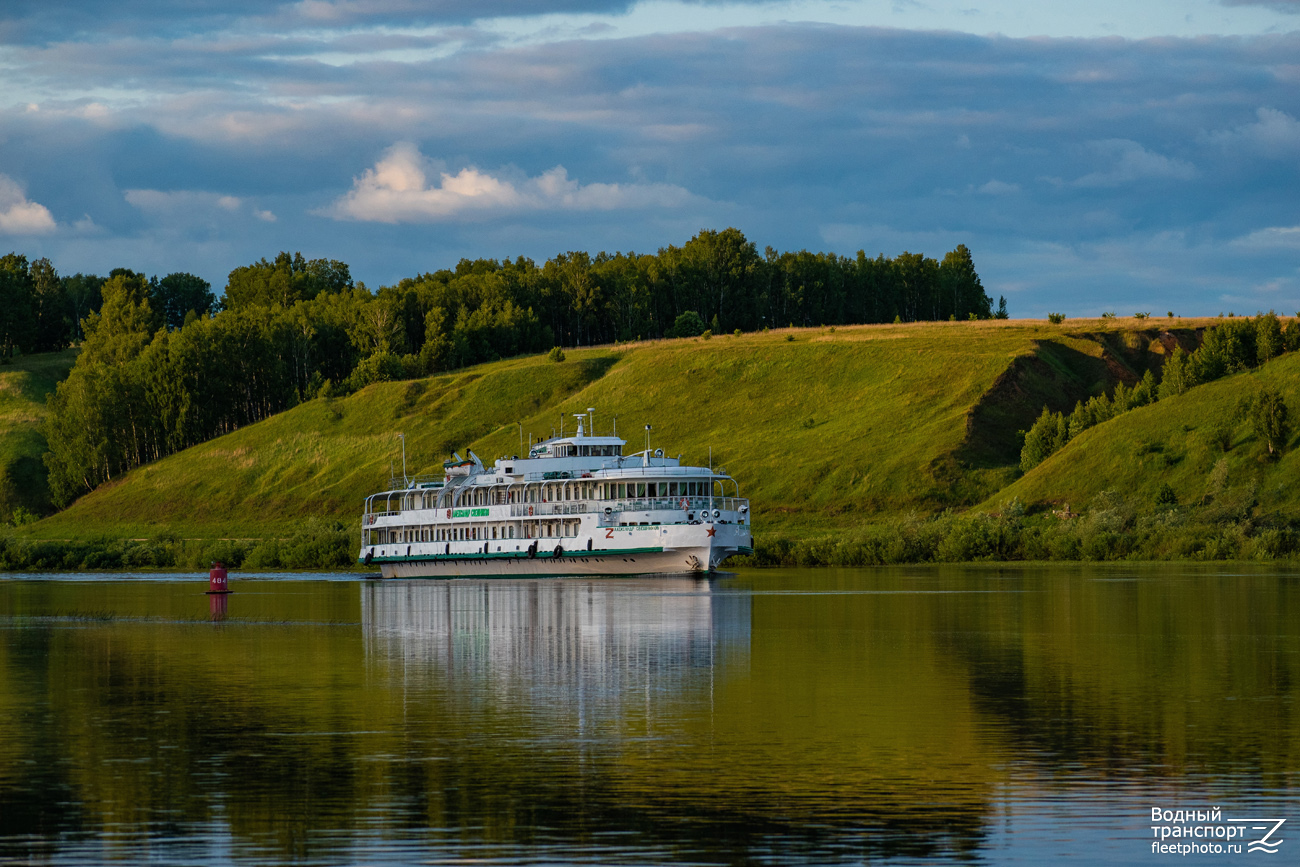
(1284, 237)
(397, 190)
(1274, 134)
(923, 140)
(36, 21)
(181, 206)
(998, 188)
(1134, 163)
(18, 216)
(421, 11)
(1291, 6)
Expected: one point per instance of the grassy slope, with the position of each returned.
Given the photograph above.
(23, 386)
(823, 431)
(1171, 442)
(319, 459)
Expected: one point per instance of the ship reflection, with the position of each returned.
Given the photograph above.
(583, 637)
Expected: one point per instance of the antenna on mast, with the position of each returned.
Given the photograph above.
(405, 481)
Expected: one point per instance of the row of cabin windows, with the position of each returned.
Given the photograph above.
(643, 490)
(545, 530)
(569, 451)
(561, 491)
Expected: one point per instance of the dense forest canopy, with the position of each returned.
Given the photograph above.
(43, 312)
(165, 365)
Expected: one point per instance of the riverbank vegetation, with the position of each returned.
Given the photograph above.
(825, 431)
(316, 544)
(842, 429)
(253, 433)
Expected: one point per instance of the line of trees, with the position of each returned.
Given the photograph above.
(1232, 346)
(43, 312)
(165, 366)
(721, 277)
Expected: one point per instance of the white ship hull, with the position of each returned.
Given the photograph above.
(668, 550)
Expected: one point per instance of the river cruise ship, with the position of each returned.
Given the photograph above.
(575, 506)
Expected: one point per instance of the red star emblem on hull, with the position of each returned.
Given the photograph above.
(713, 531)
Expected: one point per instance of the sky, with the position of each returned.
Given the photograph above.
(1102, 157)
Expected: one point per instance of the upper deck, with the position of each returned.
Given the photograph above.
(566, 457)
(563, 484)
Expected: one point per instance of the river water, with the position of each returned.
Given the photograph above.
(910, 715)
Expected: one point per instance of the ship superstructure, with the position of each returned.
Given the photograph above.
(577, 505)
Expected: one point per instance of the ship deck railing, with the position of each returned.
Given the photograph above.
(655, 504)
(413, 482)
(627, 470)
(598, 507)
(431, 480)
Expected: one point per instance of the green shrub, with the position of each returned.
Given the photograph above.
(1056, 318)
(687, 324)
(229, 552)
(265, 555)
(556, 354)
(1165, 496)
(1044, 439)
(1268, 416)
(380, 367)
(319, 545)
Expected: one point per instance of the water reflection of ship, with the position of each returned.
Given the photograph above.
(611, 635)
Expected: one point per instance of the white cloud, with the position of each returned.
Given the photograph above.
(1132, 163)
(172, 201)
(191, 205)
(18, 216)
(1274, 236)
(397, 190)
(999, 188)
(1274, 134)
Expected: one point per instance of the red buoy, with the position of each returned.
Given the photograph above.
(217, 579)
(218, 603)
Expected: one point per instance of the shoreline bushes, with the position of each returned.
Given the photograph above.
(317, 545)
(1111, 531)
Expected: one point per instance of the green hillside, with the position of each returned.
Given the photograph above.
(1180, 442)
(824, 429)
(23, 385)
